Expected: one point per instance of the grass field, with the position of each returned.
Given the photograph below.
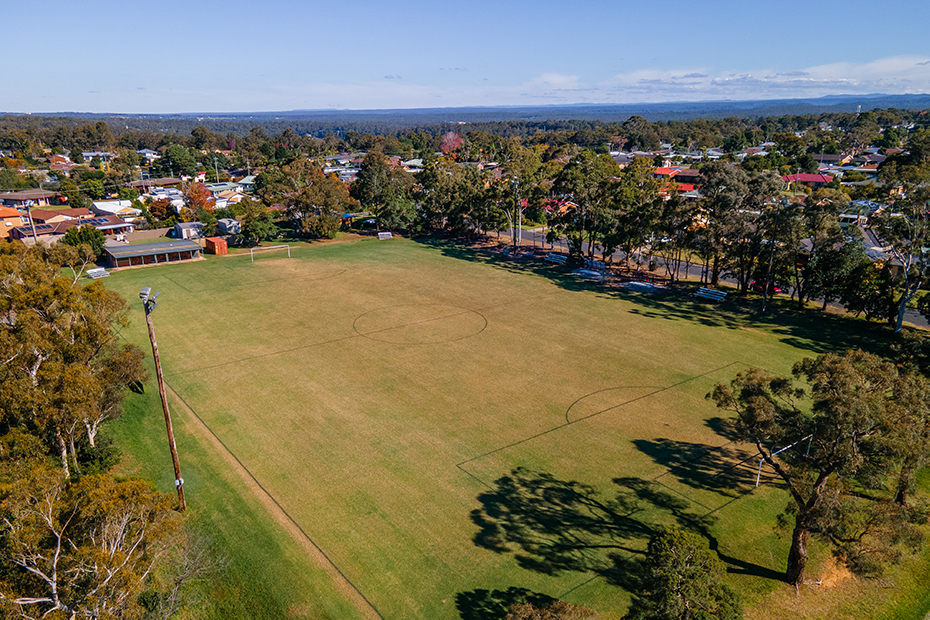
(362, 395)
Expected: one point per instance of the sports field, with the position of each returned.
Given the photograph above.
(374, 389)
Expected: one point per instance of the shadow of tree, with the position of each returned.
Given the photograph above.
(483, 604)
(727, 470)
(554, 526)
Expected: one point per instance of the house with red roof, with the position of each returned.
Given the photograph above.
(813, 181)
(10, 218)
(665, 173)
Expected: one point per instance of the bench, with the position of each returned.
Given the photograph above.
(556, 258)
(99, 272)
(594, 264)
(712, 294)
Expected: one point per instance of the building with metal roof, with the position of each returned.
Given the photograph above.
(174, 251)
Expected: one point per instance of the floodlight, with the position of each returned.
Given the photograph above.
(144, 293)
(154, 297)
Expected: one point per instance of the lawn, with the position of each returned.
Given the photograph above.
(363, 394)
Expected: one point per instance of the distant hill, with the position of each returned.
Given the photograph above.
(399, 120)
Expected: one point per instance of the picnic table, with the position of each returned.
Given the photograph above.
(711, 294)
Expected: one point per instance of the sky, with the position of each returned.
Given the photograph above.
(207, 56)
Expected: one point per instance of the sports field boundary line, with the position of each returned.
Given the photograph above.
(588, 417)
(281, 515)
(178, 284)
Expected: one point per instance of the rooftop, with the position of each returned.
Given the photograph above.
(147, 249)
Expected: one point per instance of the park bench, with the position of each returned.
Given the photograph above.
(556, 258)
(712, 294)
(594, 264)
(98, 272)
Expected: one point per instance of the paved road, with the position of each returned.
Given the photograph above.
(537, 238)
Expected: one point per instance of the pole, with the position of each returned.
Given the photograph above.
(178, 481)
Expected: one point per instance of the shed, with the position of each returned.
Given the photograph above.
(152, 253)
(216, 245)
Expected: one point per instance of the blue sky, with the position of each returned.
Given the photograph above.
(235, 56)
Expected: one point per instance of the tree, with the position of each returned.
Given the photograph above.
(84, 549)
(377, 184)
(197, 197)
(62, 368)
(584, 181)
(321, 195)
(86, 235)
(257, 221)
(905, 228)
(830, 270)
(176, 160)
(556, 610)
(681, 580)
(811, 230)
(724, 191)
(837, 457)
(636, 205)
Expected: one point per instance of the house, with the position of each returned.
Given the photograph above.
(61, 163)
(108, 225)
(151, 253)
(831, 159)
(121, 208)
(29, 198)
(665, 173)
(148, 155)
(145, 185)
(52, 216)
(690, 176)
(104, 156)
(10, 218)
(217, 188)
(811, 180)
(187, 230)
(229, 226)
(227, 198)
(247, 183)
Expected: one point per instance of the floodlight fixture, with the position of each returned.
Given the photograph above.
(144, 293)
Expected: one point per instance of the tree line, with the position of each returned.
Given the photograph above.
(75, 539)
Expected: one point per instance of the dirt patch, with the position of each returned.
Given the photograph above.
(834, 574)
(342, 584)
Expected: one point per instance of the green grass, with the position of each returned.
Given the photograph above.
(376, 388)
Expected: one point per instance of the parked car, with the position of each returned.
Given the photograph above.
(758, 287)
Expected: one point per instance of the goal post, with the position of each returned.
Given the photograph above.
(269, 248)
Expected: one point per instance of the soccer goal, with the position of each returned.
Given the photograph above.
(270, 248)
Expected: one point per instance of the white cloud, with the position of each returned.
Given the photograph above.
(894, 75)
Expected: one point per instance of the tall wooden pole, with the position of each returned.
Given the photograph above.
(178, 481)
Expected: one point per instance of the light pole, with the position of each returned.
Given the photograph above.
(149, 302)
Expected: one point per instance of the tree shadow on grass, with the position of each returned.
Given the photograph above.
(554, 526)
(483, 604)
(729, 470)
